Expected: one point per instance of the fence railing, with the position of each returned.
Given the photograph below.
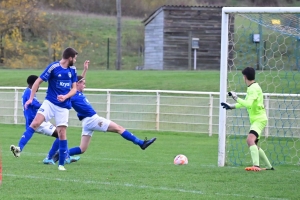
(164, 110)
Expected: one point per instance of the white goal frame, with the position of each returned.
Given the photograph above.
(224, 61)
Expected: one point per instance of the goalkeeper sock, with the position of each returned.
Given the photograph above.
(263, 156)
(54, 148)
(26, 137)
(74, 151)
(129, 136)
(254, 155)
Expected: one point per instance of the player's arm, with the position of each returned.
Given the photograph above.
(85, 68)
(246, 103)
(34, 88)
(251, 97)
(238, 105)
(36, 104)
(72, 91)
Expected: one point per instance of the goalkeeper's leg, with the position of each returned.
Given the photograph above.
(251, 141)
(263, 157)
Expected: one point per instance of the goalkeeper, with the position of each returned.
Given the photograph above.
(254, 102)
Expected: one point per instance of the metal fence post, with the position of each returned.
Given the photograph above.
(210, 119)
(16, 107)
(108, 105)
(157, 110)
(267, 103)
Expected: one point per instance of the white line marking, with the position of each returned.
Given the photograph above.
(138, 186)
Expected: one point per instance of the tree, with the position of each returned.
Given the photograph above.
(16, 18)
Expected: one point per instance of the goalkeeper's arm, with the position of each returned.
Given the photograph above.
(228, 106)
(244, 102)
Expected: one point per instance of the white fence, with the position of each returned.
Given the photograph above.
(178, 111)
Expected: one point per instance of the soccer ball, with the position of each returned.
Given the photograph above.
(181, 160)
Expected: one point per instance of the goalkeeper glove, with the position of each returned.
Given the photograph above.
(228, 106)
(233, 95)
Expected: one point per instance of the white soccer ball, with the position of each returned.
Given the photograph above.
(181, 160)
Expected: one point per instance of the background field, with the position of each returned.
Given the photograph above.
(205, 81)
(116, 169)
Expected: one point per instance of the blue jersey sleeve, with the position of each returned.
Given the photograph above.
(74, 77)
(47, 72)
(82, 106)
(32, 109)
(25, 97)
(36, 104)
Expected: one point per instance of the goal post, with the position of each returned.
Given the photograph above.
(267, 39)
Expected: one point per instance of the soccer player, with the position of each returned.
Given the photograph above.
(46, 128)
(254, 102)
(92, 122)
(61, 76)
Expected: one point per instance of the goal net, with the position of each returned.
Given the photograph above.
(267, 39)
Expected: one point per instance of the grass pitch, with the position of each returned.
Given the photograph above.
(113, 168)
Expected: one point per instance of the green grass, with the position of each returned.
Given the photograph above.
(114, 168)
(271, 82)
(159, 80)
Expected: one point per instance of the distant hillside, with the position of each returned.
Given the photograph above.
(142, 8)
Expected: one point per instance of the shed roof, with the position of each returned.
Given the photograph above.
(165, 7)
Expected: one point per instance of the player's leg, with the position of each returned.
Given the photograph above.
(46, 128)
(63, 146)
(88, 127)
(44, 114)
(49, 129)
(85, 141)
(84, 144)
(264, 157)
(252, 139)
(87, 134)
(61, 120)
(113, 127)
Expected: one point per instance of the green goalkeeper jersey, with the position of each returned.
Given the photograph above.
(254, 102)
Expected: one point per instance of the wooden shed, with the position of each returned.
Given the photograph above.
(168, 32)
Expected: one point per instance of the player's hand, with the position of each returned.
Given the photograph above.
(28, 102)
(228, 106)
(233, 95)
(86, 65)
(61, 98)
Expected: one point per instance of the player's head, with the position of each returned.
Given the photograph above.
(70, 54)
(249, 73)
(31, 79)
(80, 83)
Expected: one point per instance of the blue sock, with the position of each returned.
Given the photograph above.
(129, 136)
(54, 148)
(63, 151)
(74, 151)
(26, 137)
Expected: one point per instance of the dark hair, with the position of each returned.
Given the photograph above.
(69, 52)
(249, 72)
(80, 78)
(31, 79)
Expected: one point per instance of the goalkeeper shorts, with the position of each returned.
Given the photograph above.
(258, 127)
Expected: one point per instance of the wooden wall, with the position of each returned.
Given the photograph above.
(203, 23)
(153, 58)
